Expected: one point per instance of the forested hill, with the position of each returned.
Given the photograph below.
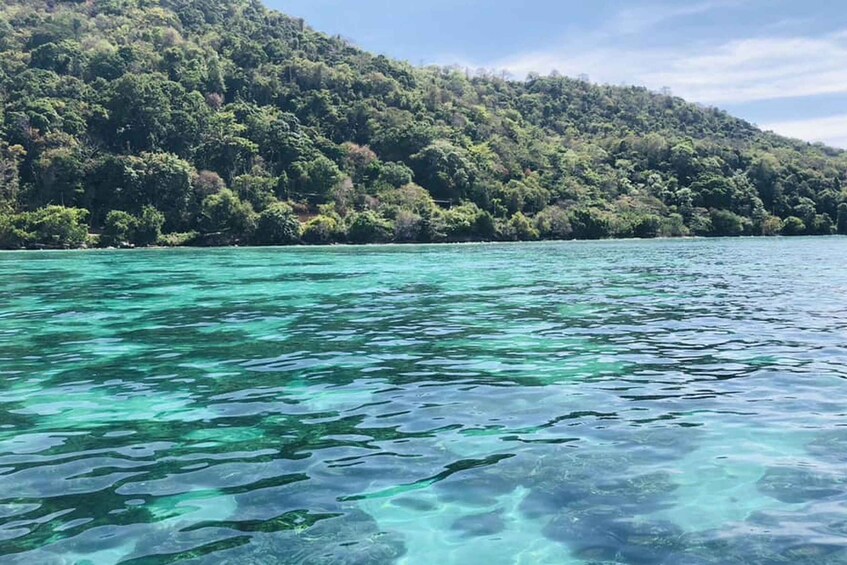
(218, 122)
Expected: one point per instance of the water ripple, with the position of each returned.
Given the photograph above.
(626, 402)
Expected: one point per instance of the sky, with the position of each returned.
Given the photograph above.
(781, 64)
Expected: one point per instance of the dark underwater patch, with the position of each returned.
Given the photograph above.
(479, 525)
(794, 486)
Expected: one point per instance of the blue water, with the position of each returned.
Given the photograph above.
(609, 402)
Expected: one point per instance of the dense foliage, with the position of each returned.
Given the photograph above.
(220, 122)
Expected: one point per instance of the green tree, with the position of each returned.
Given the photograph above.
(553, 223)
(468, 222)
(148, 228)
(258, 190)
(806, 210)
(793, 226)
(12, 232)
(646, 227)
(407, 227)
(57, 226)
(445, 170)
(139, 112)
(684, 160)
(224, 149)
(674, 226)
(10, 157)
(122, 229)
(112, 182)
(315, 179)
(277, 225)
(522, 228)
(395, 174)
(64, 58)
(119, 229)
(224, 213)
(323, 230)
(590, 223)
(59, 176)
(822, 225)
(368, 227)
(765, 173)
(842, 218)
(725, 223)
(772, 225)
(106, 63)
(165, 183)
(519, 196)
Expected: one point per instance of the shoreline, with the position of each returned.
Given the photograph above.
(300, 246)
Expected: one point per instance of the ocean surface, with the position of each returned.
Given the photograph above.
(610, 402)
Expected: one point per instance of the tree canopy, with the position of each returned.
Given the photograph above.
(220, 122)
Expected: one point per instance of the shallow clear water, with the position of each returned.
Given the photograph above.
(623, 402)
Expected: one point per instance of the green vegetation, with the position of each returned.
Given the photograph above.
(51, 226)
(218, 122)
(277, 225)
(122, 229)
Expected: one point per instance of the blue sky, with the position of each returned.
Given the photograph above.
(781, 64)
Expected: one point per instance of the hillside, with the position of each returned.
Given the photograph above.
(218, 122)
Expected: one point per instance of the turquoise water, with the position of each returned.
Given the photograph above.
(610, 402)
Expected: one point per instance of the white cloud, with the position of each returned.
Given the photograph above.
(746, 69)
(775, 63)
(759, 69)
(638, 19)
(831, 130)
(737, 71)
